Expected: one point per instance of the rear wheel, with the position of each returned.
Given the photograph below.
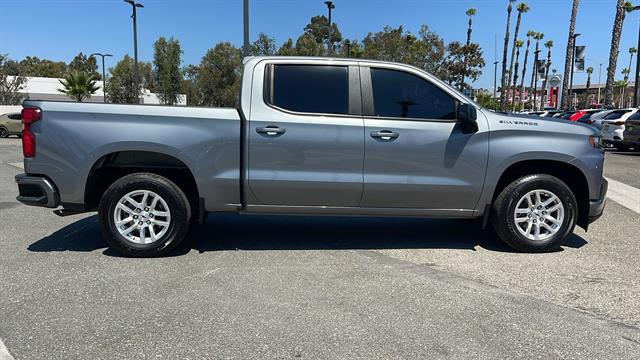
(144, 215)
(3, 132)
(535, 213)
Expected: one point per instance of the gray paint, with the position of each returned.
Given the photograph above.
(323, 164)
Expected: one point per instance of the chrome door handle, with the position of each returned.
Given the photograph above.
(384, 135)
(272, 131)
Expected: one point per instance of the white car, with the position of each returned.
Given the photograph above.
(613, 126)
(597, 118)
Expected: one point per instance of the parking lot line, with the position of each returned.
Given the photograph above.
(4, 353)
(19, 165)
(625, 195)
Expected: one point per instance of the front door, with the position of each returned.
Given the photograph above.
(306, 143)
(416, 155)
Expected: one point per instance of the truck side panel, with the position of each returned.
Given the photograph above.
(72, 137)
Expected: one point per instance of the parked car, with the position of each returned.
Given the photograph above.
(313, 136)
(631, 134)
(10, 124)
(564, 114)
(584, 116)
(597, 118)
(613, 127)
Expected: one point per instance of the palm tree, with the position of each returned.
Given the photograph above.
(79, 85)
(530, 33)
(621, 8)
(470, 13)
(568, 55)
(518, 45)
(620, 84)
(505, 49)
(548, 45)
(625, 74)
(537, 37)
(589, 72)
(521, 8)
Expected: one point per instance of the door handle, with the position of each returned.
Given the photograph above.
(272, 131)
(385, 135)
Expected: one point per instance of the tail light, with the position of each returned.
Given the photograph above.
(29, 116)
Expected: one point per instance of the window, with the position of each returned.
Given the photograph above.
(400, 94)
(615, 115)
(635, 116)
(311, 88)
(16, 116)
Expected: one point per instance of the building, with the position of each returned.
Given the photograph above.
(42, 88)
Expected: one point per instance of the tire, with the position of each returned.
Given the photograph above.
(158, 211)
(559, 216)
(3, 132)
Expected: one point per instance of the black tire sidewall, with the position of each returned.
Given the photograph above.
(172, 195)
(4, 133)
(517, 190)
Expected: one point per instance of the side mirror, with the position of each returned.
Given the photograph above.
(467, 116)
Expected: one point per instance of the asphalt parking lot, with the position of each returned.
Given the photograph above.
(256, 287)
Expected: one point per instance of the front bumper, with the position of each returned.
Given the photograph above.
(596, 207)
(37, 191)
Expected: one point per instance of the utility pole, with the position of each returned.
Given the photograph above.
(136, 80)
(330, 6)
(104, 75)
(535, 80)
(245, 21)
(599, 75)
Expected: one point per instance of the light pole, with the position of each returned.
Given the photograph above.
(136, 82)
(637, 74)
(599, 75)
(104, 74)
(245, 22)
(495, 78)
(573, 64)
(330, 6)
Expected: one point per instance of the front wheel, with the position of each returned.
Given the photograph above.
(535, 213)
(144, 215)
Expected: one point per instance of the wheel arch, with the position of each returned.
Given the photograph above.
(570, 174)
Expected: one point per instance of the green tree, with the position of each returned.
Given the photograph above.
(263, 46)
(11, 82)
(78, 85)
(589, 72)
(189, 85)
(318, 28)
(518, 46)
(548, 45)
(82, 63)
(470, 13)
(622, 8)
(457, 69)
(521, 8)
(505, 50)
(306, 45)
(218, 78)
(34, 66)
(537, 37)
(166, 64)
(530, 33)
(484, 99)
(120, 87)
(287, 48)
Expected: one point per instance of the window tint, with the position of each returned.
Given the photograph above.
(311, 88)
(400, 94)
(635, 116)
(15, 116)
(615, 115)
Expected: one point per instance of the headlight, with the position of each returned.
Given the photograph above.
(595, 141)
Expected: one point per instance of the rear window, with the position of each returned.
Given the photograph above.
(16, 116)
(311, 88)
(616, 115)
(635, 116)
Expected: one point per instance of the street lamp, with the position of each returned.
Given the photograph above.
(134, 6)
(104, 74)
(573, 64)
(330, 6)
(599, 75)
(495, 78)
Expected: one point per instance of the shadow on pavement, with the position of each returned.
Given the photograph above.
(271, 232)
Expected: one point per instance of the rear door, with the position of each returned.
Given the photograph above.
(416, 155)
(306, 142)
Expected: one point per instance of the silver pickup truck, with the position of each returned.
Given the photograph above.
(315, 136)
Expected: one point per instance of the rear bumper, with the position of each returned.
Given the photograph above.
(37, 191)
(596, 207)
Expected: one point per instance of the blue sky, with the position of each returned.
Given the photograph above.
(59, 29)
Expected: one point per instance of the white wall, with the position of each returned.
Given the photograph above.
(10, 109)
